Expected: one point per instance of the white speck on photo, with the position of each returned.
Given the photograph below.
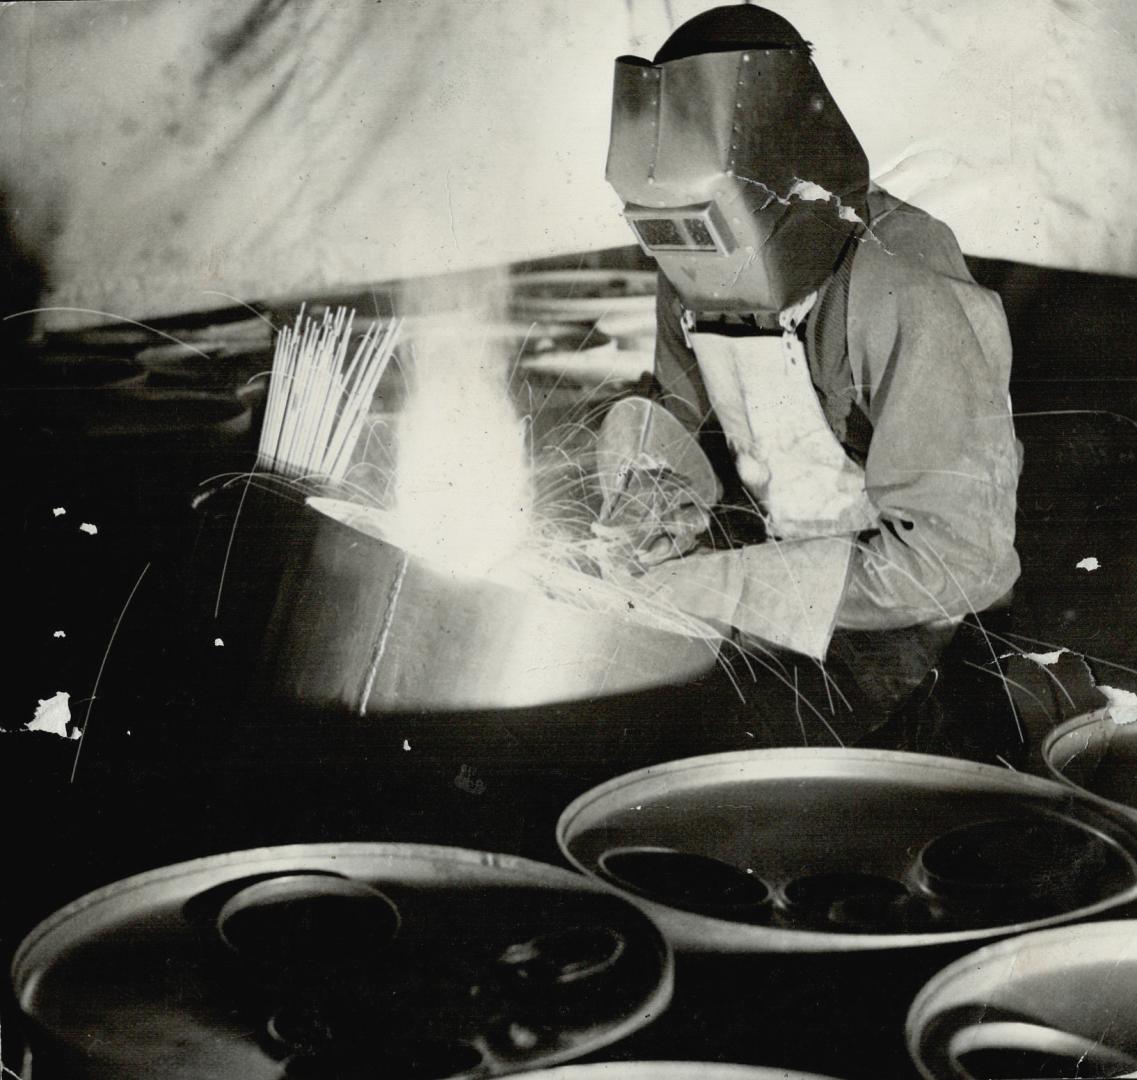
(88, 528)
(53, 714)
(1122, 708)
(1045, 658)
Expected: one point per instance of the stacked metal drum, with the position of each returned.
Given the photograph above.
(794, 900)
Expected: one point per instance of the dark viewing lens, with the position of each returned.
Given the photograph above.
(700, 233)
(659, 232)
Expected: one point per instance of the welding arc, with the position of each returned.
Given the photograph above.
(317, 401)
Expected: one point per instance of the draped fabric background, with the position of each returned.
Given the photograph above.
(156, 152)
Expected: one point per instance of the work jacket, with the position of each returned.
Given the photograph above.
(910, 361)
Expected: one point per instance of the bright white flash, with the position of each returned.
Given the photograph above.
(463, 492)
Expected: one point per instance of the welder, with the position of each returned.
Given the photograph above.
(834, 338)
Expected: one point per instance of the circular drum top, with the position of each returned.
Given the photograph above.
(338, 959)
(1055, 1003)
(1097, 756)
(819, 850)
(666, 1070)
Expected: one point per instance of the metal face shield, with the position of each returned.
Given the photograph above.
(738, 172)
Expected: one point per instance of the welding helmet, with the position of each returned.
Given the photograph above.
(738, 173)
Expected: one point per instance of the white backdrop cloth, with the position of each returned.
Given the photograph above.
(155, 152)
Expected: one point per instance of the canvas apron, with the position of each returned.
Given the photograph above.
(805, 485)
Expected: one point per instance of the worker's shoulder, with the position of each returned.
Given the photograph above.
(909, 270)
(909, 240)
(904, 251)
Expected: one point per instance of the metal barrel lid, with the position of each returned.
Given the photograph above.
(1095, 755)
(1054, 1003)
(338, 959)
(667, 1070)
(858, 850)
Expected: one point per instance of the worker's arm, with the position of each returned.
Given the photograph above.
(932, 353)
(639, 441)
(657, 485)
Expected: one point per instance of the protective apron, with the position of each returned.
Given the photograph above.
(811, 494)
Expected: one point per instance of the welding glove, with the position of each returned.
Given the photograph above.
(784, 594)
(656, 483)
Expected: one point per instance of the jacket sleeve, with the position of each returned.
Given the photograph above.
(931, 354)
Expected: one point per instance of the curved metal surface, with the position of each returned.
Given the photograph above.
(584, 295)
(667, 1070)
(1096, 756)
(367, 626)
(1052, 1003)
(514, 963)
(829, 815)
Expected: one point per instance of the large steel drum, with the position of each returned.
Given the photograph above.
(1096, 755)
(666, 1070)
(830, 850)
(364, 625)
(343, 960)
(1056, 1003)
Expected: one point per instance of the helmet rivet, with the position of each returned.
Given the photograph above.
(746, 58)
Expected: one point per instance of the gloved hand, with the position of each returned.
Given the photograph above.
(656, 482)
(653, 516)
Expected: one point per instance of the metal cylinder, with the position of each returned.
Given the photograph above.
(1097, 756)
(1052, 1003)
(337, 959)
(362, 624)
(666, 1070)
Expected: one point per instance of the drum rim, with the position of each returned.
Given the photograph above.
(722, 935)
